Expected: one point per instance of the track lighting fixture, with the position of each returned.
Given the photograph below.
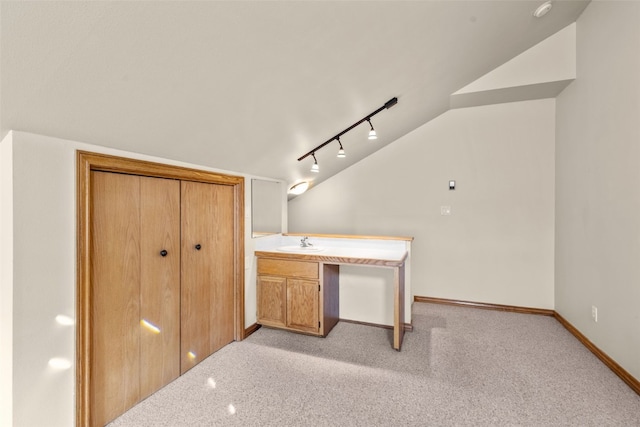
(372, 135)
(341, 150)
(372, 132)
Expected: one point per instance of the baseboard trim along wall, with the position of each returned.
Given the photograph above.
(625, 376)
(611, 364)
(486, 306)
(251, 329)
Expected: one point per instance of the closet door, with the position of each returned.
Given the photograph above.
(135, 301)
(223, 298)
(207, 270)
(115, 295)
(159, 283)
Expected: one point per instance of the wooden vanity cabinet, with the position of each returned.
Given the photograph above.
(300, 296)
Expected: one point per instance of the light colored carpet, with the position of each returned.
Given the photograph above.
(460, 366)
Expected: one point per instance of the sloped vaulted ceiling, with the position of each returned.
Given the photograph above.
(249, 86)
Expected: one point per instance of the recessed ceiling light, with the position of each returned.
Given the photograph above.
(542, 9)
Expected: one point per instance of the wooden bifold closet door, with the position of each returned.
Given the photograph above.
(135, 290)
(162, 269)
(207, 271)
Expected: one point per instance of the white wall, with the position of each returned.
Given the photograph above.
(44, 279)
(598, 183)
(497, 245)
(6, 280)
(553, 59)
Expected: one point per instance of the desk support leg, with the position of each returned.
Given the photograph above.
(398, 309)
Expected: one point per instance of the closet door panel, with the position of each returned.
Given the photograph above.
(207, 272)
(115, 295)
(197, 255)
(222, 301)
(160, 283)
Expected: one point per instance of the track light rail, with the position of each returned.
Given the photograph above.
(390, 103)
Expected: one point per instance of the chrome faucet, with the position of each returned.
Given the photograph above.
(304, 242)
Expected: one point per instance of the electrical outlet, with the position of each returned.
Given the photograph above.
(594, 313)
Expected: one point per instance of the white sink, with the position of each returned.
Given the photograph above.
(300, 249)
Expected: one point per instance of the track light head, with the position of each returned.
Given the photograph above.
(372, 132)
(315, 168)
(341, 152)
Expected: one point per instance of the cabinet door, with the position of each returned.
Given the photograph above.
(159, 283)
(115, 295)
(272, 297)
(207, 270)
(302, 305)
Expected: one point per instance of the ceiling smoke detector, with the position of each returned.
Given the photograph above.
(542, 9)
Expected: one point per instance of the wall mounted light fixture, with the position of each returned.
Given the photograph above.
(299, 188)
(372, 134)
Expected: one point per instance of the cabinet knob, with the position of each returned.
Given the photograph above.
(164, 252)
(198, 247)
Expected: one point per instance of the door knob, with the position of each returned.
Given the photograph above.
(164, 252)
(198, 247)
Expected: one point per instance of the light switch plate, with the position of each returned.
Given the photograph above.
(445, 210)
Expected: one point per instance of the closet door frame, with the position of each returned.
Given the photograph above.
(87, 162)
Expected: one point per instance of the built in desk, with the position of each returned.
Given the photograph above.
(288, 275)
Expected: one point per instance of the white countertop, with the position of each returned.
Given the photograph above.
(341, 255)
(348, 252)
